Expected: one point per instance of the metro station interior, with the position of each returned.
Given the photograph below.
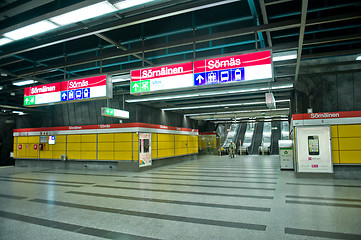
(119, 119)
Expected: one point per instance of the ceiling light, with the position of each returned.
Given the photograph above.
(282, 56)
(243, 111)
(26, 82)
(213, 93)
(31, 30)
(213, 106)
(84, 13)
(130, 3)
(4, 41)
(358, 58)
(121, 78)
(19, 112)
(1, 87)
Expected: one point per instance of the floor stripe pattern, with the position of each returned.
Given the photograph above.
(214, 197)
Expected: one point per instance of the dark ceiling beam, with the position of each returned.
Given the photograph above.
(198, 39)
(302, 34)
(118, 46)
(273, 2)
(120, 23)
(265, 21)
(27, 6)
(25, 77)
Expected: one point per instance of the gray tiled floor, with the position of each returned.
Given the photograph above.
(212, 198)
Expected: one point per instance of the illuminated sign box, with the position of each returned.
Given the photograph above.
(230, 69)
(84, 89)
(162, 78)
(244, 67)
(116, 113)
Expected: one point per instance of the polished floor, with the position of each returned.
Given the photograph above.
(214, 197)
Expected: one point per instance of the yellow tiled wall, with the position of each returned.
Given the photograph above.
(207, 140)
(349, 143)
(117, 146)
(110, 146)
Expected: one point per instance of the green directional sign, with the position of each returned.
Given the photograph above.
(30, 100)
(140, 86)
(135, 87)
(109, 111)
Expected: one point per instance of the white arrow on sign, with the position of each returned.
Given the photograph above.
(32, 100)
(199, 79)
(135, 86)
(64, 95)
(27, 100)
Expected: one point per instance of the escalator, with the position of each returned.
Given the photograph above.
(248, 136)
(257, 138)
(266, 139)
(232, 135)
(241, 136)
(276, 135)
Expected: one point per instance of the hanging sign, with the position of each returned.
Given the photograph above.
(69, 91)
(116, 113)
(244, 67)
(162, 78)
(237, 68)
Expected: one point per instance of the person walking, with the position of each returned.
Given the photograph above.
(231, 149)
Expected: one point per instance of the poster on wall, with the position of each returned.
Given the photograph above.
(314, 153)
(145, 150)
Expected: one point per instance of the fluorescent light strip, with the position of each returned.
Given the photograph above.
(84, 13)
(282, 56)
(19, 112)
(208, 94)
(358, 58)
(230, 112)
(130, 3)
(31, 30)
(222, 105)
(26, 82)
(4, 41)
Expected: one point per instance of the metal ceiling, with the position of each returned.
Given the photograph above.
(326, 34)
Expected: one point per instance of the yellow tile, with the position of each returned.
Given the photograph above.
(74, 138)
(350, 156)
(349, 144)
(105, 146)
(106, 137)
(123, 155)
(88, 138)
(336, 156)
(58, 146)
(23, 140)
(349, 131)
(88, 146)
(154, 154)
(74, 154)
(334, 131)
(88, 155)
(154, 137)
(178, 152)
(57, 154)
(123, 137)
(60, 139)
(72, 146)
(106, 155)
(33, 139)
(123, 146)
(46, 154)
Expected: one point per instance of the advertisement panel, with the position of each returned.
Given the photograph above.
(73, 90)
(145, 150)
(314, 153)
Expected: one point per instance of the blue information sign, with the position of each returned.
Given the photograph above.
(221, 76)
(64, 96)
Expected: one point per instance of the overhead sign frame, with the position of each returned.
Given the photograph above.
(75, 90)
